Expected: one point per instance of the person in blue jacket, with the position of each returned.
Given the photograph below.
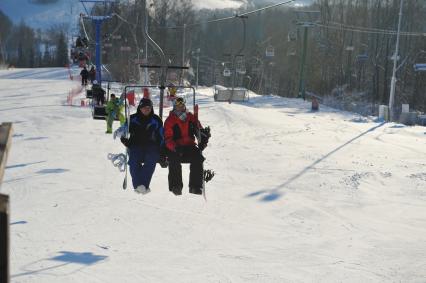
(144, 145)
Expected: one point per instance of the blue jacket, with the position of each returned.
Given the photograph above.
(146, 131)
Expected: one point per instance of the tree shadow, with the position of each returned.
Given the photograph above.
(19, 222)
(52, 171)
(36, 138)
(66, 258)
(397, 126)
(275, 193)
(23, 164)
(80, 258)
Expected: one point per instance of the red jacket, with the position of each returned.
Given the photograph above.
(178, 132)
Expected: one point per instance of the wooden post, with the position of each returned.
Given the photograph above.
(5, 141)
(4, 238)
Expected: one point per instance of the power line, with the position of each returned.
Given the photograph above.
(339, 26)
(233, 17)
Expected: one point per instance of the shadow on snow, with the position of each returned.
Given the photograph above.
(66, 258)
(268, 195)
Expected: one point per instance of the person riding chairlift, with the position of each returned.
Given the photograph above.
(180, 130)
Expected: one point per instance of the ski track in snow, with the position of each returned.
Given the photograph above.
(298, 196)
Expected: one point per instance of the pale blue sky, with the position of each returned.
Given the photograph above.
(68, 10)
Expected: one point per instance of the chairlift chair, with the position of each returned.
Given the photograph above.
(226, 72)
(270, 51)
(241, 70)
(179, 89)
(420, 67)
(291, 36)
(362, 57)
(99, 111)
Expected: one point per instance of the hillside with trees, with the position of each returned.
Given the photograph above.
(349, 47)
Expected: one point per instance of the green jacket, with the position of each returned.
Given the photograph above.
(114, 106)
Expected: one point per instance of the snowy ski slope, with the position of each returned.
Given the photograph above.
(298, 196)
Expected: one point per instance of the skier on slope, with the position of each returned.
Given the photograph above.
(92, 74)
(114, 108)
(84, 75)
(144, 145)
(180, 130)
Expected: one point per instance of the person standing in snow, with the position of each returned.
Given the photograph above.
(180, 130)
(84, 75)
(114, 108)
(144, 145)
(92, 74)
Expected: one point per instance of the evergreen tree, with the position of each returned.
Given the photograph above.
(5, 27)
(61, 51)
(46, 55)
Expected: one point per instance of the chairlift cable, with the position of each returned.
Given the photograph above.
(372, 29)
(84, 28)
(267, 7)
(232, 17)
(361, 30)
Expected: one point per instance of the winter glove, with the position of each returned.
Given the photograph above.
(205, 136)
(125, 141)
(163, 161)
(120, 132)
(202, 146)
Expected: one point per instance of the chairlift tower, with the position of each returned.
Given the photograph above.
(305, 19)
(97, 21)
(395, 59)
(243, 18)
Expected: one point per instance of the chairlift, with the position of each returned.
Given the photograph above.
(125, 48)
(240, 67)
(420, 67)
(291, 36)
(241, 70)
(226, 72)
(270, 51)
(393, 57)
(255, 70)
(362, 57)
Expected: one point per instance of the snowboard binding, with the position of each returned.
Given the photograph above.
(118, 160)
(208, 175)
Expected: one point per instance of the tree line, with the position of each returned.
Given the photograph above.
(24, 47)
(349, 47)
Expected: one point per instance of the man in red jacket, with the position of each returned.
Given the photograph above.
(180, 130)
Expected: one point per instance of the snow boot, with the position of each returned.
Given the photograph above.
(141, 189)
(196, 191)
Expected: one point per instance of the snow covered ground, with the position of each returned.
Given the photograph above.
(297, 197)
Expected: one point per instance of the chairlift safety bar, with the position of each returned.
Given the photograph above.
(157, 86)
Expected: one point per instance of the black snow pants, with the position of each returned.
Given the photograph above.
(193, 156)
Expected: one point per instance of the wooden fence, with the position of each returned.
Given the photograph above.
(5, 142)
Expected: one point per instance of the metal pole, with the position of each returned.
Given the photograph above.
(98, 50)
(393, 80)
(183, 54)
(163, 65)
(235, 56)
(302, 65)
(198, 63)
(146, 48)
